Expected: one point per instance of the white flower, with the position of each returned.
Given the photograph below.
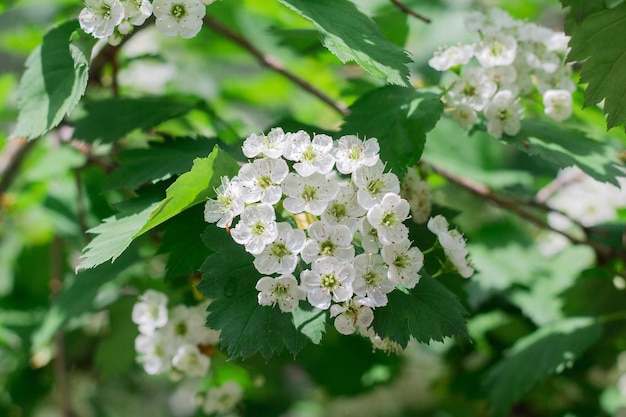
(475, 89)
(155, 352)
(503, 114)
(451, 57)
(344, 208)
(256, 228)
(179, 17)
(99, 17)
(311, 194)
(452, 243)
(369, 237)
(404, 263)
(352, 152)
(281, 256)
(351, 317)
(387, 218)
(503, 76)
(557, 104)
(329, 278)
(137, 11)
(270, 145)
(417, 192)
(150, 313)
(328, 240)
(496, 49)
(283, 290)
(227, 205)
(222, 400)
(371, 284)
(464, 115)
(311, 156)
(180, 327)
(191, 361)
(261, 179)
(373, 184)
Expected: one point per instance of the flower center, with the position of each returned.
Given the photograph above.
(371, 278)
(338, 211)
(355, 153)
(327, 248)
(309, 193)
(389, 219)
(264, 181)
(280, 250)
(180, 329)
(178, 10)
(374, 186)
(309, 154)
(258, 229)
(329, 281)
(401, 261)
(280, 290)
(469, 90)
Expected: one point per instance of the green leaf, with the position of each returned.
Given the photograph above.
(229, 279)
(193, 187)
(115, 234)
(160, 161)
(55, 79)
(352, 36)
(594, 42)
(112, 118)
(550, 349)
(566, 147)
(399, 117)
(120, 340)
(78, 296)
(579, 9)
(429, 312)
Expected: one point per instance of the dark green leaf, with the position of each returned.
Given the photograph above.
(607, 299)
(193, 187)
(566, 147)
(399, 117)
(246, 327)
(352, 36)
(159, 161)
(429, 312)
(55, 79)
(551, 348)
(594, 42)
(303, 41)
(112, 118)
(121, 340)
(580, 9)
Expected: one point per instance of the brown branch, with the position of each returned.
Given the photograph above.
(271, 63)
(516, 207)
(410, 11)
(11, 161)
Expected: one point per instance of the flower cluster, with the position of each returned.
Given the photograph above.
(115, 18)
(173, 341)
(417, 192)
(453, 244)
(513, 57)
(353, 249)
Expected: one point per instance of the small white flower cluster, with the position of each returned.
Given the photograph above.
(417, 192)
(174, 341)
(354, 249)
(513, 56)
(453, 244)
(115, 18)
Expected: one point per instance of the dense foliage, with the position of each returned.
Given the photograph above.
(312, 208)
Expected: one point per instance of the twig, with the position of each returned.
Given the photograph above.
(410, 11)
(272, 63)
(11, 160)
(514, 206)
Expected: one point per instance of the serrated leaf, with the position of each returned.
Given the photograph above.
(193, 187)
(579, 9)
(399, 117)
(352, 36)
(159, 161)
(533, 358)
(54, 81)
(429, 312)
(110, 119)
(565, 147)
(594, 42)
(229, 279)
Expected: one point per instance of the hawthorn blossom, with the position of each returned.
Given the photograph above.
(137, 11)
(350, 317)
(503, 114)
(557, 104)
(387, 218)
(311, 156)
(404, 263)
(329, 278)
(464, 115)
(373, 183)
(344, 209)
(371, 283)
(281, 256)
(256, 228)
(227, 205)
(352, 152)
(261, 179)
(451, 57)
(475, 88)
(100, 17)
(189, 360)
(310, 194)
(452, 243)
(150, 313)
(283, 290)
(271, 145)
(154, 352)
(328, 240)
(179, 17)
(496, 49)
(223, 399)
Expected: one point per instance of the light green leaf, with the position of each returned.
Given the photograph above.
(55, 79)
(594, 41)
(115, 234)
(565, 147)
(111, 119)
(193, 187)
(399, 117)
(550, 349)
(352, 36)
(429, 312)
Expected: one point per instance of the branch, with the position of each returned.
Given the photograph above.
(11, 161)
(271, 63)
(514, 206)
(409, 11)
